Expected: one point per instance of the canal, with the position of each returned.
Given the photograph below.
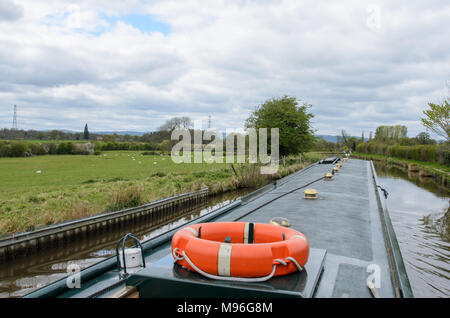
(24, 275)
(420, 214)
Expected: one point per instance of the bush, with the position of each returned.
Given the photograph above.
(37, 149)
(114, 145)
(430, 153)
(66, 148)
(443, 154)
(4, 149)
(362, 147)
(52, 149)
(124, 198)
(18, 149)
(24, 149)
(14, 149)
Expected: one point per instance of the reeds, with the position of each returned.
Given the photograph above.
(126, 197)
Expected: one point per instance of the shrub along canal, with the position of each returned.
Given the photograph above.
(420, 213)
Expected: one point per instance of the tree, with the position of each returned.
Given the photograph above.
(169, 127)
(346, 139)
(424, 138)
(185, 122)
(323, 145)
(109, 138)
(390, 133)
(155, 137)
(127, 137)
(437, 119)
(176, 122)
(54, 134)
(86, 132)
(292, 120)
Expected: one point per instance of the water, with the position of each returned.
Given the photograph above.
(420, 214)
(24, 275)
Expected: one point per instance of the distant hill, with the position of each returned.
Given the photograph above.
(331, 138)
(120, 133)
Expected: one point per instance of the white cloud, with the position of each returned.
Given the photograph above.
(223, 58)
(9, 11)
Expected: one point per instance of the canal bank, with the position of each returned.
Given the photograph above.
(157, 212)
(420, 212)
(25, 274)
(417, 169)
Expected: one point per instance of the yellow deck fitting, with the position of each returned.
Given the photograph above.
(280, 222)
(310, 194)
(344, 159)
(328, 176)
(336, 169)
(339, 165)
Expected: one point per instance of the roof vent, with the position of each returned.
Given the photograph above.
(310, 194)
(280, 221)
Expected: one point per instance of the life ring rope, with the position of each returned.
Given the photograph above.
(177, 257)
(285, 262)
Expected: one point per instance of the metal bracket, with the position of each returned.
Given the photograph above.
(123, 240)
(384, 191)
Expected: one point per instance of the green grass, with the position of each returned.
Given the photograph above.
(71, 170)
(75, 186)
(72, 186)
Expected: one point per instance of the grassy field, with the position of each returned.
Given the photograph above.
(43, 190)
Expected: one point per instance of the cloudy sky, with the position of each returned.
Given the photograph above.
(131, 65)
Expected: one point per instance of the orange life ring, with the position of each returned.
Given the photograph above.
(251, 250)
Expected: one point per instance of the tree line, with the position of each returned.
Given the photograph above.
(392, 141)
(292, 119)
(28, 149)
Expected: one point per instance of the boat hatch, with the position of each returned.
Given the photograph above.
(329, 160)
(164, 279)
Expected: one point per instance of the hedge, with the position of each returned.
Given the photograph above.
(114, 145)
(432, 153)
(26, 149)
